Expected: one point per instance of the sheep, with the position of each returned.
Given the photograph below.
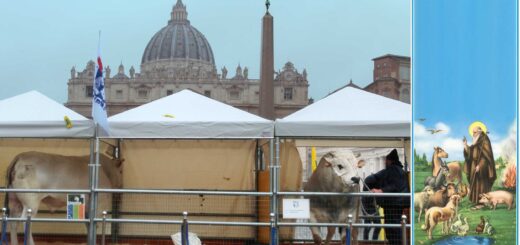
(421, 200)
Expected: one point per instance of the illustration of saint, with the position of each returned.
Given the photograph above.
(479, 162)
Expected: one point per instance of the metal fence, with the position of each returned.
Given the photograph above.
(119, 224)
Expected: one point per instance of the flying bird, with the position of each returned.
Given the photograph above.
(422, 119)
(434, 131)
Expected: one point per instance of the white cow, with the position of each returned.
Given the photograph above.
(37, 170)
(333, 174)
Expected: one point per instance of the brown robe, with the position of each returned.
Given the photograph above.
(480, 154)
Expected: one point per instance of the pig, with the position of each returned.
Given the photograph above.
(496, 197)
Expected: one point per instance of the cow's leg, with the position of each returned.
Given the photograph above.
(15, 211)
(30, 202)
(420, 213)
(330, 233)
(315, 230)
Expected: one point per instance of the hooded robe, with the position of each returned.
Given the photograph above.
(479, 154)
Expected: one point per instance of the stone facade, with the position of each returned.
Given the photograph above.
(391, 77)
(179, 57)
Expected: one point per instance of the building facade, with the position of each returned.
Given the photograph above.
(180, 57)
(391, 77)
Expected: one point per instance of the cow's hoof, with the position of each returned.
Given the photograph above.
(317, 239)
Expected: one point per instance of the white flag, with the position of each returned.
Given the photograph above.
(99, 105)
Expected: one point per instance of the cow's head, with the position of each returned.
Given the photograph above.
(113, 167)
(345, 165)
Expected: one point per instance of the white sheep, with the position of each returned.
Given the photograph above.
(422, 199)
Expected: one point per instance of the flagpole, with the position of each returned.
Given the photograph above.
(94, 172)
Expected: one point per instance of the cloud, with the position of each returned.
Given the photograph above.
(508, 145)
(424, 142)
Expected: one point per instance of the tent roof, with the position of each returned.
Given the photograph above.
(349, 112)
(187, 114)
(33, 114)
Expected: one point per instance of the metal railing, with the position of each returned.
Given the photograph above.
(274, 194)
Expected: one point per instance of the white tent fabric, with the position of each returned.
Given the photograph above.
(32, 114)
(187, 114)
(349, 112)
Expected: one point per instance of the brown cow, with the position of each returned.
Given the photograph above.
(37, 170)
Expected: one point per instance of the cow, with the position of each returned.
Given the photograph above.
(336, 172)
(38, 170)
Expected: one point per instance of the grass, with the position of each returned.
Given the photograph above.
(502, 219)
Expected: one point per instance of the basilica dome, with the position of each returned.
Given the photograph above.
(177, 44)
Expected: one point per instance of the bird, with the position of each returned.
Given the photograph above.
(434, 131)
(464, 228)
(456, 225)
(422, 119)
(480, 227)
(488, 228)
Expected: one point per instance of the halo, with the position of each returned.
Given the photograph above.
(477, 124)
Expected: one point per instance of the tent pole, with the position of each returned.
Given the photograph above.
(90, 180)
(116, 201)
(92, 202)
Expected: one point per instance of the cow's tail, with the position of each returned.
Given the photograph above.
(11, 197)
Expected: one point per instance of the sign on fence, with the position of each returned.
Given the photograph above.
(296, 209)
(75, 206)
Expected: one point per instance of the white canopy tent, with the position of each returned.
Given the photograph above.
(192, 142)
(349, 112)
(33, 122)
(188, 115)
(34, 115)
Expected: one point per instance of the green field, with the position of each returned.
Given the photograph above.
(502, 219)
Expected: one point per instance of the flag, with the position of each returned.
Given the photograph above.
(99, 105)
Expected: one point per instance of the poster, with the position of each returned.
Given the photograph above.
(75, 206)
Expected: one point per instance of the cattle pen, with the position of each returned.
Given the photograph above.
(201, 176)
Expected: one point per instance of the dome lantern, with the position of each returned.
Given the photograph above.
(179, 13)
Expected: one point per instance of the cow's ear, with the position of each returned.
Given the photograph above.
(329, 157)
(361, 163)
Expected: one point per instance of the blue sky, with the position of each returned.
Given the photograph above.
(464, 67)
(334, 39)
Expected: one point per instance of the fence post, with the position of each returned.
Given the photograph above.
(274, 230)
(103, 228)
(348, 231)
(4, 226)
(184, 229)
(27, 227)
(403, 229)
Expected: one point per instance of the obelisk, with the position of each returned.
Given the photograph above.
(266, 107)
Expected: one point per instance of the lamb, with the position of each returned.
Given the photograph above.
(422, 200)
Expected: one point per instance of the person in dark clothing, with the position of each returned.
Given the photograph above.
(370, 209)
(392, 179)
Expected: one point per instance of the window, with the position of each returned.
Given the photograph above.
(119, 94)
(234, 95)
(405, 95)
(404, 72)
(384, 64)
(89, 91)
(207, 93)
(287, 93)
(142, 94)
(169, 92)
